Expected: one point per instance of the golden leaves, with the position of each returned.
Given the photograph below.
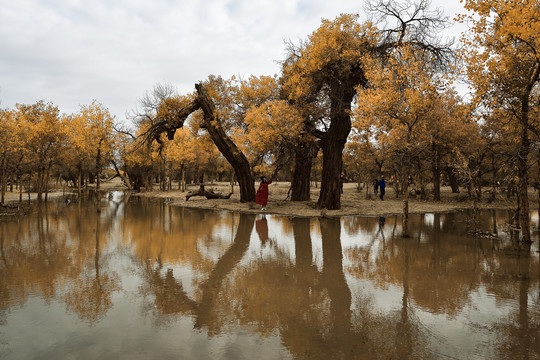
(502, 47)
(336, 46)
(270, 124)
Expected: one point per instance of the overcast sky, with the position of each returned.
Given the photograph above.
(70, 52)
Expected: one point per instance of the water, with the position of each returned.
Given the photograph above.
(143, 280)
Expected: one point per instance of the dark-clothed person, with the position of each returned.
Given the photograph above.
(382, 188)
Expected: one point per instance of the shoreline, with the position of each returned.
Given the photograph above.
(353, 202)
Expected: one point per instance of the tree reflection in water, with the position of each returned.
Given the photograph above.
(327, 288)
(315, 312)
(311, 309)
(90, 296)
(46, 258)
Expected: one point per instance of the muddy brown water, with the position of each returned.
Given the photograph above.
(144, 280)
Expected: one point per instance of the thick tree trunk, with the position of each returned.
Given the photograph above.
(303, 161)
(452, 179)
(330, 195)
(332, 145)
(175, 120)
(301, 180)
(226, 146)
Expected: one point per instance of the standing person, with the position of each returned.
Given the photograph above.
(375, 186)
(382, 187)
(261, 197)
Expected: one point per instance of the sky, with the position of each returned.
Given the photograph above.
(72, 52)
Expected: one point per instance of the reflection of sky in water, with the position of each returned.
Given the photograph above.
(534, 218)
(429, 219)
(451, 337)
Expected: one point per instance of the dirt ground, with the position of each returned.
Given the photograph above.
(353, 202)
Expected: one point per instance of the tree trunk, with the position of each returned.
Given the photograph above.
(148, 182)
(29, 185)
(226, 146)
(3, 178)
(169, 176)
(98, 181)
(523, 155)
(79, 181)
(182, 185)
(452, 179)
(474, 181)
(40, 184)
(20, 181)
(303, 161)
(405, 181)
(47, 174)
(162, 175)
(332, 145)
(175, 120)
(330, 195)
(436, 172)
(122, 176)
(405, 187)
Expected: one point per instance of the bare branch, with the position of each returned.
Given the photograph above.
(412, 23)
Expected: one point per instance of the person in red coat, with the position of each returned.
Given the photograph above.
(261, 197)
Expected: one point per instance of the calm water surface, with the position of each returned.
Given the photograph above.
(143, 280)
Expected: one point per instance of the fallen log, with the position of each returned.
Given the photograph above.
(209, 194)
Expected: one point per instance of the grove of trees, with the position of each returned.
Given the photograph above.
(357, 97)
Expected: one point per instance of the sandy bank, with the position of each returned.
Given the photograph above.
(352, 201)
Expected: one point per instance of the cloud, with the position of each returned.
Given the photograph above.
(71, 52)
